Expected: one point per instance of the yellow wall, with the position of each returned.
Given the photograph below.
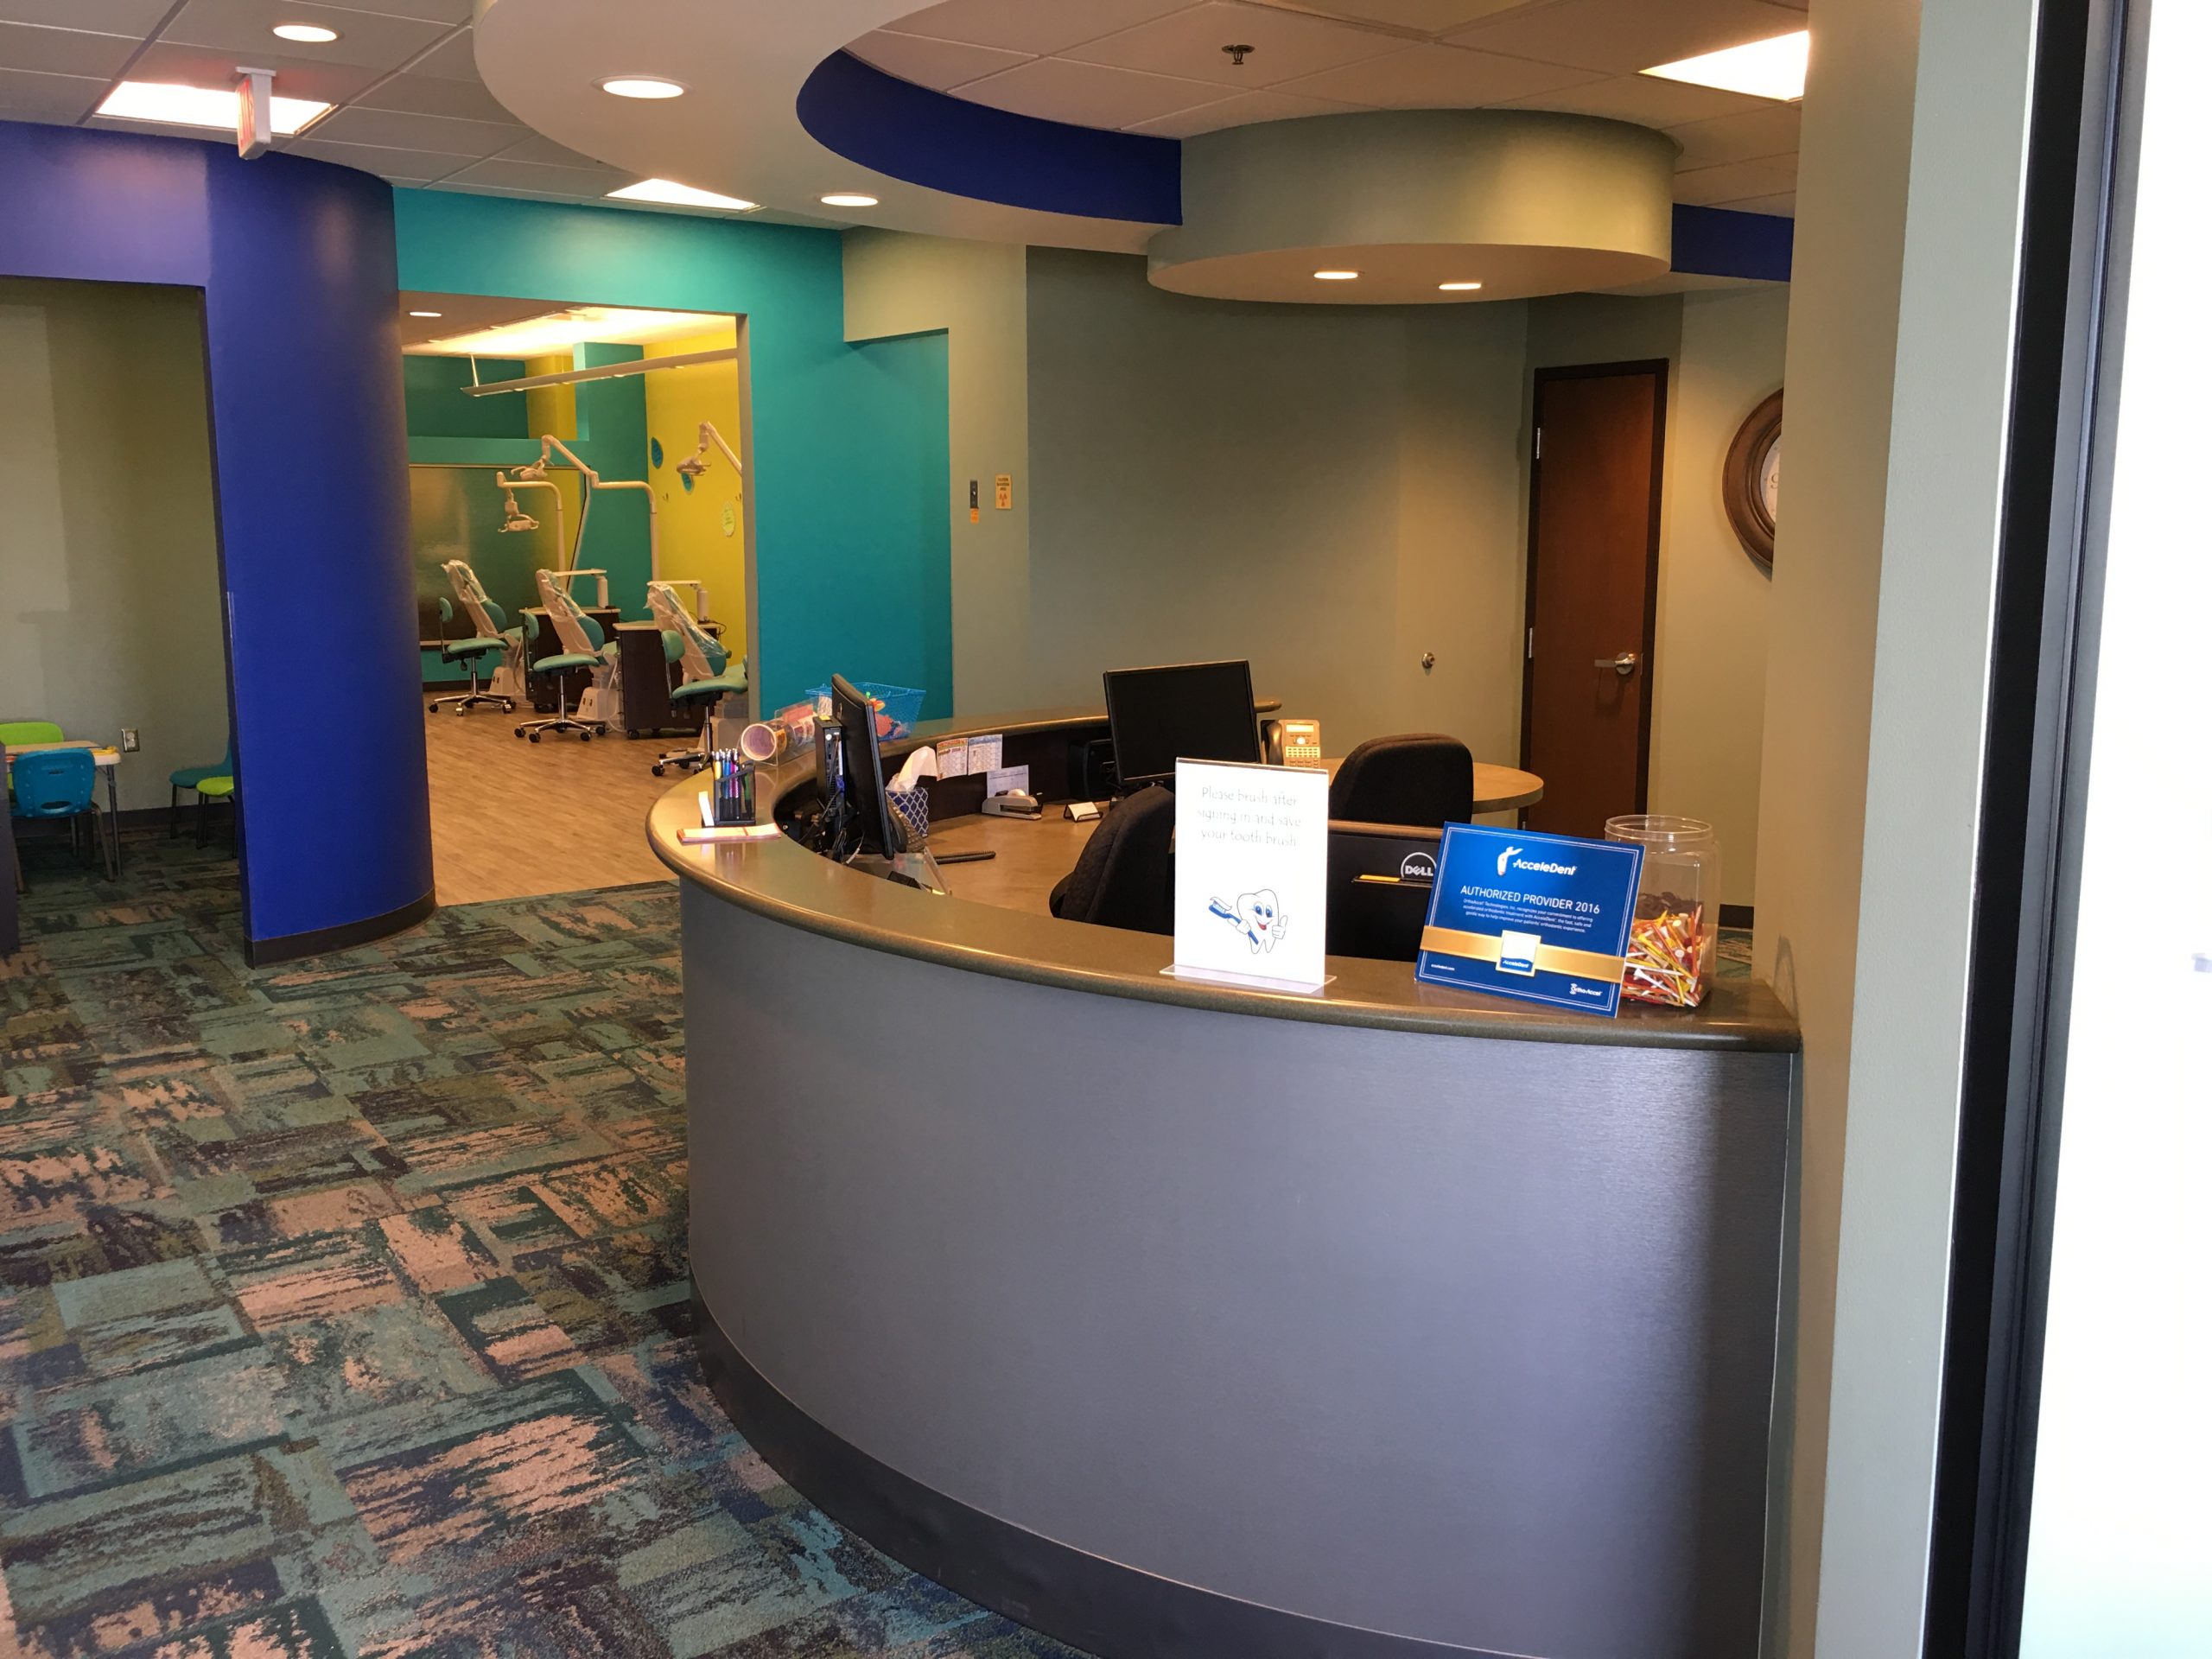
(693, 546)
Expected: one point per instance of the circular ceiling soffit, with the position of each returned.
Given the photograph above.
(1524, 202)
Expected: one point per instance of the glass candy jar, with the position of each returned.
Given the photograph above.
(1675, 936)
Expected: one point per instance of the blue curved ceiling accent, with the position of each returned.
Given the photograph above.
(947, 143)
(1719, 242)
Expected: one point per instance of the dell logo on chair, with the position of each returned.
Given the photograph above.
(1505, 857)
(1417, 867)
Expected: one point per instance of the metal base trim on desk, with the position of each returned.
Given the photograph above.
(1101, 1606)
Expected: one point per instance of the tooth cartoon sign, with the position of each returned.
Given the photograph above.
(1257, 916)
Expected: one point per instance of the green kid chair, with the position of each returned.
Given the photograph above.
(186, 779)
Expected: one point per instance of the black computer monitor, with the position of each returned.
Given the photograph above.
(872, 828)
(1197, 711)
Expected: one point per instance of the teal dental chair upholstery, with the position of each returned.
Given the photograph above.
(473, 653)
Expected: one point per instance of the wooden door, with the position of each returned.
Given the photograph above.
(1593, 573)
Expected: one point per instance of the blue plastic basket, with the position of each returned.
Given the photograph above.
(898, 707)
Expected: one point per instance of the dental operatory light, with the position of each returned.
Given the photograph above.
(711, 439)
(176, 105)
(1771, 68)
(647, 86)
(307, 34)
(671, 193)
(517, 518)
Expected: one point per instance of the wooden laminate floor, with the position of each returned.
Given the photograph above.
(512, 819)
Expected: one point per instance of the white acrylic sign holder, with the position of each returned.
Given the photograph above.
(1251, 874)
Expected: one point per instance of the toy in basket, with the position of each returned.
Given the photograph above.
(897, 708)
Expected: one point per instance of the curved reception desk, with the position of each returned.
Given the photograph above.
(1184, 1319)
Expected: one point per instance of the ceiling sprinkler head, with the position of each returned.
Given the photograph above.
(1238, 54)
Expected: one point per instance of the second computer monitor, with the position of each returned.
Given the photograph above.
(1196, 711)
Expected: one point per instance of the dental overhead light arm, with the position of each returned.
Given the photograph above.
(520, 520)
(709, 437)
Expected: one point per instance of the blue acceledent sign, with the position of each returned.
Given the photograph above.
(1541, 917)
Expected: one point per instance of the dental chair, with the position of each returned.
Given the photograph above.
(471, 653)
(582, 645)
(492, 635)
(706, 678)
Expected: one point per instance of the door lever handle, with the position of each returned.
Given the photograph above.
(1623, 664)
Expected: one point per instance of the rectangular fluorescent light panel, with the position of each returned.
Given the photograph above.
(561, 332)
(680, 195)
(1773, 68)
(198, 106)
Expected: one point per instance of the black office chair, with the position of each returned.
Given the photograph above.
(1420, 777)
(1125, 877)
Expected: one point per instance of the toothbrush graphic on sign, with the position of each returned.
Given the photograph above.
(1257, 916)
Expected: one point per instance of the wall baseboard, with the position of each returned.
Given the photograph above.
(1100, 1606)
(290, 947)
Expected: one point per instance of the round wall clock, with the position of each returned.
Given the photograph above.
(1750, 479)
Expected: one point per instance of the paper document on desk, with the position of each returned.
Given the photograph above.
(986, 753)
(952, 758)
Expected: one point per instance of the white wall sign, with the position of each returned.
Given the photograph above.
(1251, 874)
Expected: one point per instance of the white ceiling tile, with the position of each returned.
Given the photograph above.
(932, 63)
(26, 94)
(412, 165)
(1026, 26)
(1738, 138)
(1240, 108)
(162, 129)
(213, 65)
(1622, 36)
(466, 100)
(1783, 206)
(1189, 44)
(1645, 100)
(1424, 17)
(102, 16)
(63, 51)
(1715, 187)
(448, 12)
(502, 174)
(545, 153)
(1435, 78)
(454, 60)
(243, 26)
(1088, 94)
(403, 132)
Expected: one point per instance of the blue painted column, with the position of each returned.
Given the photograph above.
(298, 263)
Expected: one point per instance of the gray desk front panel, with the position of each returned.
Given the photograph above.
(1465, 1340)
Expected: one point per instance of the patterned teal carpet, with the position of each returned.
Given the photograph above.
(343, 1306)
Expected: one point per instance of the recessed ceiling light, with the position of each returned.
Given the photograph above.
(198, 106)
(680, 195)
(1458, 288)
(1336, 276)
(426, 314)
(313, 34)
(848, 199)
(1772, 68)
(640, 86)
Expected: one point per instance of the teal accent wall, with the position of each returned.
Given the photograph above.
(436, 406)
(852, 553)
(611, 437)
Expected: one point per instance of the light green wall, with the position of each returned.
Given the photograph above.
(111, 604)
(1709, 685)
(1330, 493)
(1851, 178)
(975, 294)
